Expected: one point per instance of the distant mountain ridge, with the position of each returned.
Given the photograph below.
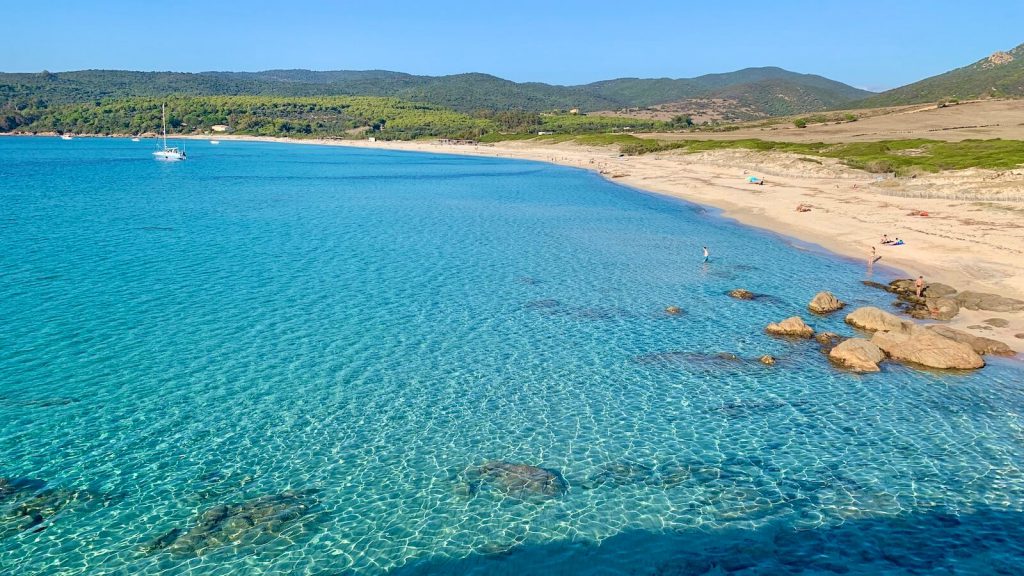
(998, 75)
(769, 90)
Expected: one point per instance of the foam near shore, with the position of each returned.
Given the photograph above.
(964, 240)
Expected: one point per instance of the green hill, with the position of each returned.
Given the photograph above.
(461, 92)
(999, 75)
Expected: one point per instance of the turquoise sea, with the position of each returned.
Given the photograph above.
(281, 359)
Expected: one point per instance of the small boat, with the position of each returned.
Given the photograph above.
(66, 136)
(169, 153)
(214, 141)
(136, 139)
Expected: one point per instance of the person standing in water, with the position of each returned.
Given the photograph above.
(706, 254)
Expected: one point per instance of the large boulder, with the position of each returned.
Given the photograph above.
(874, 319)
(988, 302)
(824, 303)
(857, 354)
(927, 348)
(938, 290)
(518, 480)
(793, 326)
(942, 308)
(979, 344)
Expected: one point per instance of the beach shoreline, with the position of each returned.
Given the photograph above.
(970, 245)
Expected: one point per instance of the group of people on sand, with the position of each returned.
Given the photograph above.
(891, 242)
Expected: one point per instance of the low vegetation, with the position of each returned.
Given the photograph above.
(900, 157)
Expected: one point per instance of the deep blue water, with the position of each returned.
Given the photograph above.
(352, 332)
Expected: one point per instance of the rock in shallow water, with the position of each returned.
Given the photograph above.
(517, 480)
(825, 303)
(927, 348)
(793, 326)
(874, 319)
(741, 294)
(857, 354)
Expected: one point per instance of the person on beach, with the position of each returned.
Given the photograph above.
(919, 284)
(706, 254)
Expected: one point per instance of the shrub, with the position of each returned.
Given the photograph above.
(800, 123)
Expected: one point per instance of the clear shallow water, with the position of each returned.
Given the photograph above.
(370, 325)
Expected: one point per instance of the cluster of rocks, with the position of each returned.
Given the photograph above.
(892, 337)
(238, 523)
(943, 302)
(520, 481)
(931, 347)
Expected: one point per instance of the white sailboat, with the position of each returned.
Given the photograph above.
(171, 153)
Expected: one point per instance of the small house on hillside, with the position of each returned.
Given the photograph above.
(219, 128)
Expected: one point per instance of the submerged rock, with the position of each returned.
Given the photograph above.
(767, 360)
(719, 360)
(793, 326)
(237, 523)
(26, 505)
(979, 344)
(827, 340)
(673, 310)
(857, 354)
(517, 480)
(997, 322)
(825, 303)
(625, 473)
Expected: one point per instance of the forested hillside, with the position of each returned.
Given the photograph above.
(331, 116)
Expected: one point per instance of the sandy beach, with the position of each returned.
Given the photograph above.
(971, 244)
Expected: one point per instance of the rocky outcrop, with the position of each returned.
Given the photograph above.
(989, 302)
(927, 348)
(825, 303)
(229, 524)
(793, 326)
(874, 319)
(857, 354)
(517, 480)
(741, 294)
(673, 310)
(908, 287)
(767, 360)
(979, 344)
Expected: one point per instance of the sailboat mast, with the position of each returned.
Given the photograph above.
(163, 114)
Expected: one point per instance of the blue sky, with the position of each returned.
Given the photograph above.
(871, 44)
